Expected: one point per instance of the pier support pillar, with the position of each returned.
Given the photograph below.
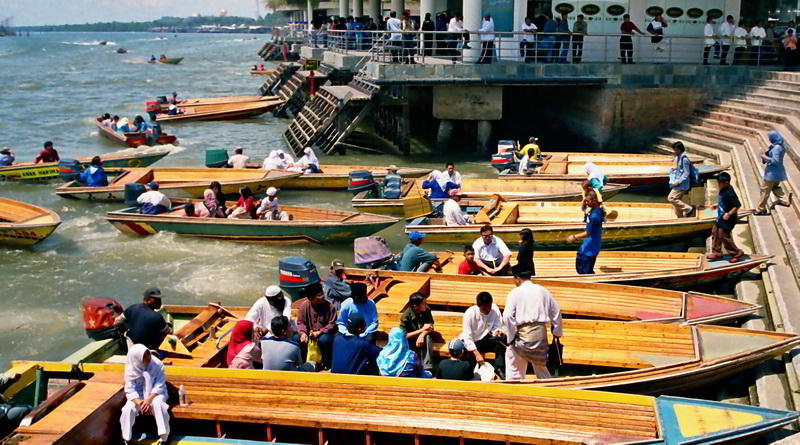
(309, 15)
(375, 10)
(483, 136)
(399, 6)
(343, 10)
(358, 8)
(472, 22)
(444, 134)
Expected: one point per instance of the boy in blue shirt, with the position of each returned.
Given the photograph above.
(727, 207)
(592, 236)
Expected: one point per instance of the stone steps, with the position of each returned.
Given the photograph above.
(788, 92)
(754, 103)
(782, 83)
(762, 117)
(687, 135)
(776, 75)
(771, 99)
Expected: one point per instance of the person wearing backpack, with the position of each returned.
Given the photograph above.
(680, 182)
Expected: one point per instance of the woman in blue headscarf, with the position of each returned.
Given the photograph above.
(398, 360)
(774, 174)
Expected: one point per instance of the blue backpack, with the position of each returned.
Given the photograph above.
(694, 176)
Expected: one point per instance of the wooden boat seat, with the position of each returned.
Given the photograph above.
(554, 168)
(134, 176)
(16, 213)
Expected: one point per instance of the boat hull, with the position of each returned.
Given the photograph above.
(23, 224)
(339, 181)
(229, 112)
(49, 171)
(638, 180)
(26, 236)
(133, 140)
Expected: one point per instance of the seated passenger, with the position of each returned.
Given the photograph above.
(469, 266)
(94, 175)
(114, 122)
(279, 352)
(261, 68)
(262, 312)
(417, 322)
(270, 209)
(139, 125)
(439, 184)
(146, 391)
(316, 321)
(11, 414)
(352, 353)
(244, 208)
(145, 325)
(211, 205)
(335, 286)
(6, 157)
(188, 210)
(48, 154)
(359, 304)
(392, 183)
(525, 166)
(398, 360)
(415, 258)
(309, 162)
(254, 68)
(243, 352)
(153, 202)
(152, 57)
(491, 253)
(105, 120)
(271, 162)
(163, 57)
(173, 110)
(123, 127)
(456, 368)
(453, 216)
(239, 159)
(174, 98)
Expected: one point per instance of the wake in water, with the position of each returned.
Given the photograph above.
(93, 43)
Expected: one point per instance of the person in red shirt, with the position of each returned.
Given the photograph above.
(48, 154)
(244, 208)
(469, 266)
(627, 28)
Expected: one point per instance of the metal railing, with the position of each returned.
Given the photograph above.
(477, 47)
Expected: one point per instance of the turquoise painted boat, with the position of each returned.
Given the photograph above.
(307, 225)
(29, 171)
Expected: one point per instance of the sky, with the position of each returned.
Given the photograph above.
(59, 12)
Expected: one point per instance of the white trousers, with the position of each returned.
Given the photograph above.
(270, 217)
(517, 366)
(130, 411)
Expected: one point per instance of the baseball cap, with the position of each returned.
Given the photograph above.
(337, 265)
(414, 236)
(456, 347)
(153, 292)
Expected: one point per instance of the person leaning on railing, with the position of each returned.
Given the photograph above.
(528, 41)
(757, 36)
(579, 30)
(627, 28)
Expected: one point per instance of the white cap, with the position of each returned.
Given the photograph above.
(272, 191)
(272, 291)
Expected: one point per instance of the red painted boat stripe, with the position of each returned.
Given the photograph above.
(291, 279)
(137, 228)
(361, 182)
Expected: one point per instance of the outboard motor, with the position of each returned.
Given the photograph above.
(132, 192)
(69, 169)
(295, 273)
(154, 134)
(504, 161)
(373, 252)
(162, 99)
(360, 180)
(153, 107)
(216, 158)
(98, 318)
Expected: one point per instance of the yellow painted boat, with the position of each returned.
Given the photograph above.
(23, 224)
(335, 177)
(29, 171)
(178, 182)
(225, 111)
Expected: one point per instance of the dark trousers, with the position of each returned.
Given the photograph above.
(325, 342)
(738, 55)
(721, 237)
(706, 53)
(13, 416)
(526, 51)
(490, 343)
(577, 49)
(626, 49)
(724, 56)
(756, 56)
(425, 351)
(487, 51)
(584, 264)
(371, 337)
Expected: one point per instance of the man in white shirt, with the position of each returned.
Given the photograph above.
(453, 175)
(238, 160)
(757, 35)
(526, 45)
(153, 201)
(487, 40)
(482, 332)
(456, 26)
(529, 307)
(452, 210)
(739, 44)
(395, 27)
(726, 38)
(273, 303)
(491, 253)
(709, 42)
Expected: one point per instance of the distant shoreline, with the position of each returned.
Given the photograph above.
(173, 25)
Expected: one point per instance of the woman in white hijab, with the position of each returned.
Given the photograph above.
(309, 162)
(286, 162)
(596, 178)
(146, 391)
(271, 162)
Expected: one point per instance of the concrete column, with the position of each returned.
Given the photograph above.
(472, 22)
(444, 134)
(484, 134)
(309, 14)
(343, 8)
(511, 49)
(375, 10)
(358, 8)
(399, 6)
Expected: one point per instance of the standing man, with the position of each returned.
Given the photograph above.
(562, 40)
(316, 321)
(527, 43)
(679, 181)
(48, 154)
(710, 36)
(273, 304)
(487, 40)
(491, 253)
(415, 258)
(739, 44)
(417, 322)
(529, 307)
(456, 28)
(145, 325)
(579, 30)
(774, 173)
(238, 160)
(727, 207)
(726, 36)
(592, 236)
(757, 36)
(627, 28)
(548, 40)
(656, 28)
(482, 332)
(395, 27)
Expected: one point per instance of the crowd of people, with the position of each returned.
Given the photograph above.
(123, 125)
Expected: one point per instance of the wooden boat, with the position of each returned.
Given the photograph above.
(262, 73)
(23, 224)
(170, 60)
(178, 182)
(576, 299)
(227, 111)
(627, 224)
(29, 171)
(335, 177)
(475, 193)
(135, 139)
(352, 409)
(666, 270)
(121, 51)
(307, 225)
(203, 101)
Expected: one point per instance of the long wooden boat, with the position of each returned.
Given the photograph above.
(134, 140)
(203, 101)
(228, 111)
(307, 225)
(168, 60)
(262, 72)
(666, 270)
(627, 224)
(178, 182)
(577, 299)
(23, 224)
(475, 193)
(335, 177)
(29, 171)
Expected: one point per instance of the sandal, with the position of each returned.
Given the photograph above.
(714, 256)
(735, 259)
(761, 212)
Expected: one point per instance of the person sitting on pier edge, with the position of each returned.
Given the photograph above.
(627, 28)
(238, 160)
(469, 266)
(363, 306)
(244, 208)
(482, 332)
(11, 414)
(140, 126)
(597, 179)
(243, 352)
(456, 368)
(262, 312)
(417, 322)
(525, 167)
(94, 175)
(525, 252)
(774, 174)
(153, 202)
(392, 183)
(529, 307)
(279, 352)
(396, 359)
(309, 162)
(491, 253)
(440, 185)
(452, 174)
(727, 207)
(335, 286)
(679, 182)
(6, 157)
(415, 258)
(592, 236)
(453, 216)
(316, 321)
(48, 154)
(352, 353)
(487, 40)
(146, 393)
(145, 325)
(270, 209)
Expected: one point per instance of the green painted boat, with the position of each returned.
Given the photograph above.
(29, 171)
(306, 225)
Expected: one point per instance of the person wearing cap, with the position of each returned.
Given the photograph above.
(352, 352)
(238, 160)
(452, 174)
(774, 174)
(335, 286)
(727, 207)
(592, 236)
(456, 367)
(279, 352)
(145, 326)
(679, 182)
(363, 306)
(529, 307)
(262, 312)
(270, 208)
(491, 253)
(392, 183)
(153, 202)
(453, 216)
(6, 157)
(316, 321)
(417, 322)
(482, 332)
(48, 154)
(415, 258)
(533, 144)
(94, 175)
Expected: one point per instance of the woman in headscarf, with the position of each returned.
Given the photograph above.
(285, 160)
(309, 162)
(242, 352)
(596, 178)
(398, 360)
(440, 185)
(525, 253)
(271, 162)
(146, 391)
(774, 174)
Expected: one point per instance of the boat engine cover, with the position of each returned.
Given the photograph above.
(69, 169)
(295, 273)
(359, 181)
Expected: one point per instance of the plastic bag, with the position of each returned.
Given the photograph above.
(486, 371)
(314, 353)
